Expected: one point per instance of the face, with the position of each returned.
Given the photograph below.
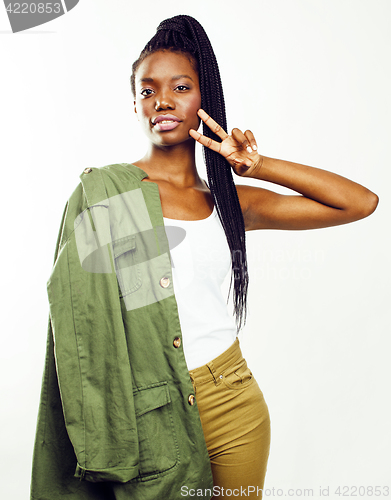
(167, 97)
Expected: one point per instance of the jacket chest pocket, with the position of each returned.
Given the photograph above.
(158, 449)
(126, 267)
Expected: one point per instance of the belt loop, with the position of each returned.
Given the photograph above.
(193, 382)
(212, 370)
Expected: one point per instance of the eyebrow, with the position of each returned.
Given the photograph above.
(176, 77)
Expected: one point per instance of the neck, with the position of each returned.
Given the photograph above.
(174, 164)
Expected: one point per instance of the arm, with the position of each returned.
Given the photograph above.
(325, 199)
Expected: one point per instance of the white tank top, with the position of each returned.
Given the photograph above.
(201, 260)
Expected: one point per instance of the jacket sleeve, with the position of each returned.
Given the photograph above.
(92, 361)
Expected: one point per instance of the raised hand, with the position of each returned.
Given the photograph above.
(239, 149)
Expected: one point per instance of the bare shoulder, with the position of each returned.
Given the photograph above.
(256, 204)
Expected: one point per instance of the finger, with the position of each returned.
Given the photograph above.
(241, 139)
(214, 126)
(239, 158)
(246, 162)
(205, 141)
(251, 140)
(243, 166)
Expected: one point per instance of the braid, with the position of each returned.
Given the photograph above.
(185, 34)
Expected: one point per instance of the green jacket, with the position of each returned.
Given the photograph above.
(116, 418)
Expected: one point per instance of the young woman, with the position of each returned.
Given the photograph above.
(146, 394)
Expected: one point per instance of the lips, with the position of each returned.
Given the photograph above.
(165, 122)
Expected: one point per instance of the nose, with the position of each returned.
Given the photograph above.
(164, 101)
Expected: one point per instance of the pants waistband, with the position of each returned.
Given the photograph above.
(214, 369)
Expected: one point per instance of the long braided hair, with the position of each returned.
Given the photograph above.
(185, 34)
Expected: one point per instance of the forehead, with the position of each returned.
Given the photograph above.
(165, 65)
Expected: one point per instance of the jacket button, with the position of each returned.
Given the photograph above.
(191, 399)
(164, 282)
(177, 342)
(87, 170)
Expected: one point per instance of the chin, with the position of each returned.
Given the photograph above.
(165, 140)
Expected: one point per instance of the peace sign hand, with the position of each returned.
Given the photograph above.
(240, 150)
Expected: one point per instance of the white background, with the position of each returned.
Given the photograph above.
(312, 79)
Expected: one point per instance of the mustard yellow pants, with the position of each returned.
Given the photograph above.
(236, 424)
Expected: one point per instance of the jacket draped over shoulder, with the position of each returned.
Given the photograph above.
(114, 416)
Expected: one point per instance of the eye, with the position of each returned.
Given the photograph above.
(182, 88)
(146, 92)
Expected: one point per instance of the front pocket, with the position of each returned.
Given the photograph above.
(158, 448)
(239, 376)
(128, 272)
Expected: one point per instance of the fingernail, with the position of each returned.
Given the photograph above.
(249, 149)
(255, 147)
